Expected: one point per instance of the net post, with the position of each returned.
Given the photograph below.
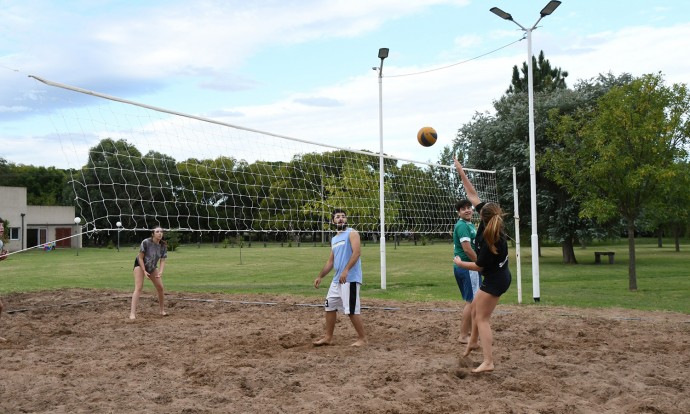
(517, 238)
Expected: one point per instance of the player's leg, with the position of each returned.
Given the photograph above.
(331, 317)
(359, 328)
(466, 324)
(352, 308)
(462, 278)
(138, 273)
(158, 283)
(333, 303)
(485, 304)
(473, 340)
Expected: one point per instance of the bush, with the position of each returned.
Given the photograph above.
(173, 240)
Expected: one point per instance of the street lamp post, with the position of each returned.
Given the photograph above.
(22, 235)
(383, 53)
(119, 227)
(547, 10)
(77, 220)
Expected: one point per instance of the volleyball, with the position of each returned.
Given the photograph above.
(427, 136)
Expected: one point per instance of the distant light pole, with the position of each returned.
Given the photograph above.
(119, 227)
(383, 53)
(77, 220)
(547, 10)
(22, 235)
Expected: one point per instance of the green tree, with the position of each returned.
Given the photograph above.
(44, 185)
(670, 212)
(119, 184)
(545, 78)
(501, 142)
(677, 196)
(425, 196)
(618, 158)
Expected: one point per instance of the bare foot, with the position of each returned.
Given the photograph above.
(464, 339)
(359, 342)
(484, 367)
(164, 313)
(470, 348)
(2, 339)
(132, 316)
(322, 342)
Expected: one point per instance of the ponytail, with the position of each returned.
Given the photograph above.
(492, 216)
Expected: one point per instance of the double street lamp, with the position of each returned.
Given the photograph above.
(547, 10)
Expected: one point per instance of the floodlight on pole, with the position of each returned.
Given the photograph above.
(22, 236)
(547, 10)
(77, 220)
(119, 227)
(383, 53)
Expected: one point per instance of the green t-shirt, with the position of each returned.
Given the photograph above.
(463, 231)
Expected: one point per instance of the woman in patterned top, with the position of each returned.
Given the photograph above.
(152, 251)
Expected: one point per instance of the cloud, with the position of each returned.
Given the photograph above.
(13, 109)
(318, 101)
(148, 46)
(204, 57)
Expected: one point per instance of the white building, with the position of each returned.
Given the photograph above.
(31, 226)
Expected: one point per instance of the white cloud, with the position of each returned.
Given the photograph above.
(209, 45)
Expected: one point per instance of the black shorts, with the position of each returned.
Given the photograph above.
(496, 284)
(136, 264)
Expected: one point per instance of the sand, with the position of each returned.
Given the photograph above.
(76, 351)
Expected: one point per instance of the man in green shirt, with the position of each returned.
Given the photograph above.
(468, 281)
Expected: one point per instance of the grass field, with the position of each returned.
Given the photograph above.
(414, 273)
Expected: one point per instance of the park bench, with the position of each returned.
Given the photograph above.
(597, 256)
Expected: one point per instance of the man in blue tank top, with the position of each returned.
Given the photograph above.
(343, 293)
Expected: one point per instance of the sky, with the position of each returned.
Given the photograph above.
(304, 69)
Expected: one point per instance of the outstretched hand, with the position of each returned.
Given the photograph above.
(456, 162)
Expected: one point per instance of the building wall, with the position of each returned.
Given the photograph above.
(12, 205)
(36, 220)
(52, 218)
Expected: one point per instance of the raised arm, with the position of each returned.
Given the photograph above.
(469, 188)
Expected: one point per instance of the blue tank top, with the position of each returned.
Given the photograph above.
(342, 252)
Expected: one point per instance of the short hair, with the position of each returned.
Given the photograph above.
(336, 211)
(462, 203)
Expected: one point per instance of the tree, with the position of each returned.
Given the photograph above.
(618, 158)
(425, 198)
(671, 212)
(501, 142)
(44, 185)
(545, 78)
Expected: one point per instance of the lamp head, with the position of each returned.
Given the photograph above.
(77, 220)
(500, 13)
(118, 224)
(383, 53)
(549, 8)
